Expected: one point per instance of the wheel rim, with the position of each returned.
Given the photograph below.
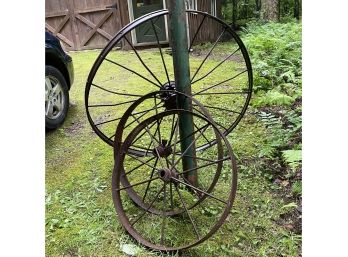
(196, 223)
(210, 81)
(54, 98)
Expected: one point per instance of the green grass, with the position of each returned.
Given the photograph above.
(80, 217)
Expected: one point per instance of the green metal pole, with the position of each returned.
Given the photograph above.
(179, 43)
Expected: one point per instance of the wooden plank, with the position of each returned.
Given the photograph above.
(49, 27)
(91, 10)
(56, 14)
(96, 27)
(74, 31)
(92, 25)
(61, 25)
(59, 35)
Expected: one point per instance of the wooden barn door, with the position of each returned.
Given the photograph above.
(59, 21)
(96, 22)
(83, 24)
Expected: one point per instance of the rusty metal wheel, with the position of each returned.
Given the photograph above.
(159, 138)
(221, 74)
(185, 215)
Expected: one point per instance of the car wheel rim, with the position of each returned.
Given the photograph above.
(54, 98)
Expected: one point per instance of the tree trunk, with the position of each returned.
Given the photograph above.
(269, 10)
(234, 13)
(258, 8)
(297, 9)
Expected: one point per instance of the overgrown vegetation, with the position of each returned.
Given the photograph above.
(275, 50)
(266, 216)
(242, 11)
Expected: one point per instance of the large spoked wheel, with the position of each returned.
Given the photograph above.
(221, 73)
(186, 215)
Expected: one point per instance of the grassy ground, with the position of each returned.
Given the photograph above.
(80, 217)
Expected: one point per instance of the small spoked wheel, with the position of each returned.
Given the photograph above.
(221, 73)
(159, 140)
(185, 214)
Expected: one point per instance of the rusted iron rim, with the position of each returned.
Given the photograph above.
(120, 152)
(149, 17)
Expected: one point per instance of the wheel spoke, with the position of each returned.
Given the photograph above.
(108, 121)
(218, 84)
(58, 104)
(163, 213)
(156, 131)
(160, 49)
(220, 109)
(137, 184)
(204, 165)
(183, 203)
(199, 190)
(140, 136)
(113, 92)
(108, 105)
(191, 134)
(141, 60)
(198, 29)
(158, 124)
(143, 113)
(206, 57)
(227, 93)
(57, 89)
(153, 138)
(171, 196)
(175, 142)
(149, 207)
(137, 167)
(132, 71)
(200, 158)
(174, 124)
(151, 176)
(229, 56)
(193, 141)
(48, 83)
(49, 110)
(206, 139)
(141, 161)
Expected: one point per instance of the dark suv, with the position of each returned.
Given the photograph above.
(59, 76)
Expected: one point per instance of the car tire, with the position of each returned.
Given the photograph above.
(56, 97)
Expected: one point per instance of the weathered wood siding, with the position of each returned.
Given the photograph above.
(81, 25)
(210, 29)
(91, 24)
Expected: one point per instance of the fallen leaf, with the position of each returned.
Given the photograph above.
(129, 249)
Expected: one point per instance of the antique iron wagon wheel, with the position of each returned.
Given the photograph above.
(158, 140)
(221, 73)
(164, 188)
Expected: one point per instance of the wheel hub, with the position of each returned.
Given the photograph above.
(167, 174)
(169, 98)
(162, 150)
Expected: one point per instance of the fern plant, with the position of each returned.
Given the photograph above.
(293, 158)
(273, 98)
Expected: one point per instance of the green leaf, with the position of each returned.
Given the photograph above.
(289, 206)
(292, 158)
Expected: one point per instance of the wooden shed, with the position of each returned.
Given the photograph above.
(91, 24)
